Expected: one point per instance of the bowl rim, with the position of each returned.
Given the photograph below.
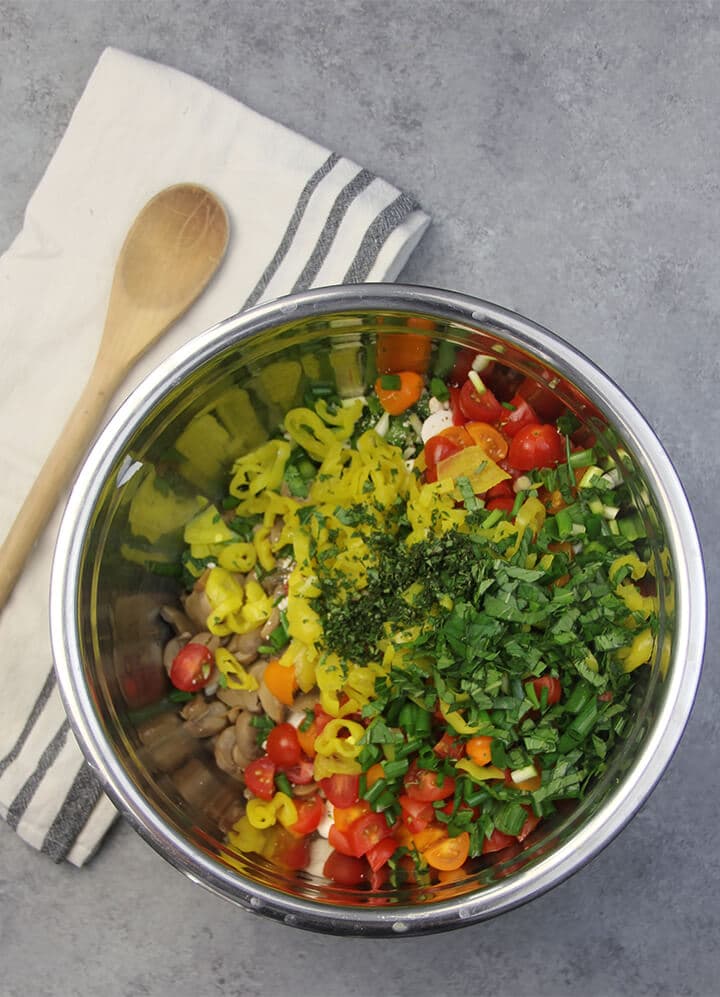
(688, 641)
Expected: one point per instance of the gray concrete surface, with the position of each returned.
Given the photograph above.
(569, 155)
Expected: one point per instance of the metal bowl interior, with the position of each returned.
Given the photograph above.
(177, 436)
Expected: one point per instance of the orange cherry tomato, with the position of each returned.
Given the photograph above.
(343, 817)
(479, 749)
(374, 773)
(397, 351)
(396, 400)
(449, 853)
(280, 680)
(486, 436)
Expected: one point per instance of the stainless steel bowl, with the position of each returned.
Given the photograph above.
(107, 636)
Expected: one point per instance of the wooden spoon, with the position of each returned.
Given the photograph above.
(172, 250)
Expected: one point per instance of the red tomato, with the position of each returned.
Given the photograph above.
(522, 415)
(497, 841)
(530, 824)
(283, 746)
(438, 448)
(341, 790)
(302, 773)
(479, 406)
(536, 445)
(378, 855)
(449, 747)
(192, 667)
(260, 777)
(426, 786)
(504, 502)
(416, 815)
(364, 833)
(542, 399)
(553, 686)
(310, 812)
(322, 719)
(292, 852)
(457, 416)
(339, 840)
(344, 869)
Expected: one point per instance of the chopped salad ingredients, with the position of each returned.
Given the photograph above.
(416, 618)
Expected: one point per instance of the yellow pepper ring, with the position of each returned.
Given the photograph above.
(330, 742)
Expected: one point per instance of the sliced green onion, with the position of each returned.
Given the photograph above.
(283, 783)
(390, 382)
(375, 792)
(581, 458)
(438, 389)
(396, 768)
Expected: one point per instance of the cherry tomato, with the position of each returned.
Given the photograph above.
(479, 406)
(290, 851)
(397, 400)
(449, 747)
(343, 817)
(536, 445)
(416, 815)
(342, 790)
(427, 786)
(301, 774)
(378, 855)
(306, 737)
(553, 686)
(339, 840)
(448, 853)
(260, 777)
(364, 833)
(192, 667)
(344, 869)
(322, 719)
(504, 502)
(310, 812)
(283, 745)
(487, 437)
(438, 448)
(479, 749)
(521, 415)
(497, 841)
(530, 824)
(542, 399)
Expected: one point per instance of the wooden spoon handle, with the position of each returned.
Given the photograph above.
(53, 478)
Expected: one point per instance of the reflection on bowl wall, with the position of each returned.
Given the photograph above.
(175, 439)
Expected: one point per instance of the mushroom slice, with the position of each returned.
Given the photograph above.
(198, 608)
(178, 620)
(245, 646)
(210, 722)
(224, 745)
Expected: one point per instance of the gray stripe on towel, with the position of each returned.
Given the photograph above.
(376, 236)
(21, 802)
(338, 211)
(77, 807)
(37, 709)
(292, 228)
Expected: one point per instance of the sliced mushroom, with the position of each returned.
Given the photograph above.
(305, 701)
(271, 704)
(205, 790)
(272, 622)
(172, 648)
(209, 722)
(166, 743)
(178, 620)
(198, 608)
(211, 641)
(224, 745)
(234, 698)
(307, 790)
(231, 815)
(195, 708)
(246, 742)
(245, 646)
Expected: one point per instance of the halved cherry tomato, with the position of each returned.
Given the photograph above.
(553, 686)
(504, 502)
(344, 869)
(310, 812)
(530, 824)
(342, 790)
(339, 840)
(290, 850)
(522, 414)
(479, 749)
(486, 436)
(366, 831)
(260, 777)
(301, 774)
(322, 719)
(378, 855)
(542, 399)
(307, 737)
(280, 680)
(374, 774)
(536, 445)
(416, 815)
(427, 786)
(449, 747)
(448, 853)
(479, 405)
(438, 448)
(497, 841)
(397, 400)
(283, 746)
(192, 667)
(345, 816)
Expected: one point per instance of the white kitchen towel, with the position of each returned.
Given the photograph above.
(301, 217)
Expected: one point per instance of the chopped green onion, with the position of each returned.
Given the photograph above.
(439, 390)
(283, 783)
(396, 768)
(376, 790)
(390, 382)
